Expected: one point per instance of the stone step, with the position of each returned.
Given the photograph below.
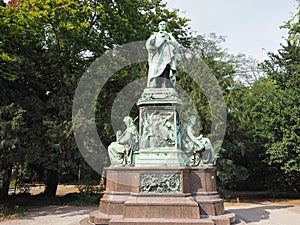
(85, 222)
(239, 222)
(101, 218)
(226, 219)
(160, 221)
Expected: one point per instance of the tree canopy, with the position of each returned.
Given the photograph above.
(47, 45)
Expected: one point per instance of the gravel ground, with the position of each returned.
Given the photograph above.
(257, 213)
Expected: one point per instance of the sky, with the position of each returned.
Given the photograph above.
(251, 27)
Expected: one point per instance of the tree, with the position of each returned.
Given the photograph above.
(240, 156)
(12, 138)
(45, 46)
(246, 134)
(283, 112)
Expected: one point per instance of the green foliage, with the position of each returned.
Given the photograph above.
(6, 211)
(283, 151)
(263, 124)
(45, 46)
(246, 135)
(88, 194)
(90, 190)
(240, 156)
(230, 175)
(84, 199)
(12, 130)
(13, 133)
(262, 135)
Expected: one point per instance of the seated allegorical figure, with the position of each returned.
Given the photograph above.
(199, 149)
(120, 152)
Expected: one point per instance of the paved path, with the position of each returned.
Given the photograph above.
(267, 213)
(260, 213)
(53, 215)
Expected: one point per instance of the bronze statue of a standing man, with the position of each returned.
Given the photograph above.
(162, 51)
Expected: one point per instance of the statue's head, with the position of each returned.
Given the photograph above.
(162, 26)
(127, 120)
(192, 119)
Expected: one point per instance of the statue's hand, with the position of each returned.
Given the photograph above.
(200, 137)
(166, 38)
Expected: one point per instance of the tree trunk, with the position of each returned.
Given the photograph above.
(51, 184)
(6, 181)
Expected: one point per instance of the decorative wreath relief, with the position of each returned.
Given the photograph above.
(160, 183)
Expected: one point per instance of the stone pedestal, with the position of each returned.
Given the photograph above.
(160, 188)
(160, 195)
(160, 142)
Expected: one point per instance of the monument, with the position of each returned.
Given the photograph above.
(160, 172)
